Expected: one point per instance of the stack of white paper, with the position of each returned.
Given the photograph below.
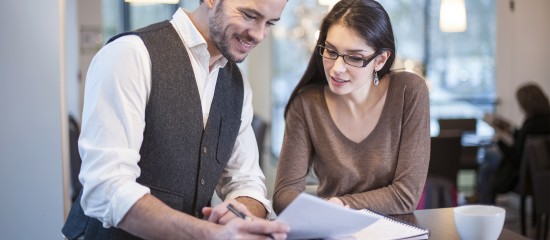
(311, 217)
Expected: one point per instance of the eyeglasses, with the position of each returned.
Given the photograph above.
(351, 60)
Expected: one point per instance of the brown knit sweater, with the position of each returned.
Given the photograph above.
(385, 172)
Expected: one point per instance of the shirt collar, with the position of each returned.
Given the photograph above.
(190, 35)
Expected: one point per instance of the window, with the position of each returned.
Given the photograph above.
(294, 38)
(120, 16)
(459, 67)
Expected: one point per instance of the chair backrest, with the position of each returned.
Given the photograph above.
(440, 188)
(468, 157)
(76, 162)
(531, 161)
(456, 126)
(445, 157)
(537, 150)
(259, 126)
(536, 157)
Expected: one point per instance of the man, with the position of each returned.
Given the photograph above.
(166, 121)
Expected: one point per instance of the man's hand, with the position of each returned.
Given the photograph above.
(220, 214)
(234, 227)
(255, 229)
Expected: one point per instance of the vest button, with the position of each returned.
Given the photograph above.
(202, 181)
(196, 214)
(204, 150)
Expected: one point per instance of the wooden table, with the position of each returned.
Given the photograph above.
(441, 224)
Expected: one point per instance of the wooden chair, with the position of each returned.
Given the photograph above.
(259, 126)
(542, 202)
(75, 160)
(440, 189)
(537, 157)
(524, 189)
(444, 157)
(459, 124)
(525, 183)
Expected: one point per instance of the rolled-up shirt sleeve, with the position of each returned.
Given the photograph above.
(113, 121)
(242, 176)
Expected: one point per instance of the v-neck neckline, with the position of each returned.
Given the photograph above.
(381, 118)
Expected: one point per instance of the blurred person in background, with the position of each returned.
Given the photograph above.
(499, 172)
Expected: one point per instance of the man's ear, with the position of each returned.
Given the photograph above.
(381, 59)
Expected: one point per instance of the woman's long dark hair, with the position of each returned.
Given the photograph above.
(532, 100)
(369, 19)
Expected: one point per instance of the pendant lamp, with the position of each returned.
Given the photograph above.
(452, 16)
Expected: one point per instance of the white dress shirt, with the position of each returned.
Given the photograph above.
(118, 84)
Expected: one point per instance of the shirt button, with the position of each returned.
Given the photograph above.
(202, 181)
(204, 150)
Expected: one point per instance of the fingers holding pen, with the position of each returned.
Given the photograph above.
(239, 222)
(274, 230)
(258, 229)
(220, 214)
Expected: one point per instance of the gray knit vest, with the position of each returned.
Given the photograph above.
(181, 162)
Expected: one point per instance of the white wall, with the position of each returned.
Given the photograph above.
(73, 81)
(33, 124)
(260, 72)
(522, 51)
(90, 20)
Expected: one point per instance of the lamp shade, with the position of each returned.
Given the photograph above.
(452, 16)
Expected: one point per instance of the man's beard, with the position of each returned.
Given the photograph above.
(216, 34)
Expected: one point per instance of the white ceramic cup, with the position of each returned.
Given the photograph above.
(479, 222)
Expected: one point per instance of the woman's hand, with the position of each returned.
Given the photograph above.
(337, 201)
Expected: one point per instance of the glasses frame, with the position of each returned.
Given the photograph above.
(366, 60)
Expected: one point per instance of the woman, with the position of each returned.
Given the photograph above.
(363, 128)
(499, 172)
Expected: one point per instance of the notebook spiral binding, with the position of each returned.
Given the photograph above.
(399, 221)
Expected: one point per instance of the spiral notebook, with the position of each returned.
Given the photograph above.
(388, 228)
(310, 217)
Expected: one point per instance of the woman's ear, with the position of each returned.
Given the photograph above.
(381, 59)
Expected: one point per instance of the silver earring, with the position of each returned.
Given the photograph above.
(376, 80)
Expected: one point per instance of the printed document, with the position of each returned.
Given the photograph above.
(312, 217)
